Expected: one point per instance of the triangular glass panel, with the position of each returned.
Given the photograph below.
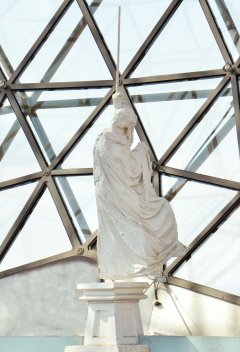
(16, 156)
(79, 196)
(138, 18)
(166, 108)
(55, 116)
(42, 236)
(212, 147)
(189, 198)
(69, 54)
(82, 154)
(186, 44)
(26, 20)
(12, 201)
(228, 18)
(216, 262)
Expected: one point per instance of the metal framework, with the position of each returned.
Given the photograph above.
(25, 108)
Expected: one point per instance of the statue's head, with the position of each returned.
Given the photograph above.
(124, 115)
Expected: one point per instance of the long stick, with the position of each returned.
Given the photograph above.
(118, 48)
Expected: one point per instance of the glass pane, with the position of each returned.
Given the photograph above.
(42, 236)
(138, 18)
(11, 203)
(82, 154)
(228, 19)
(185, 44)
(212, 147)
(16, 156)
(55, 116)
(69, 54)
(169, 107)
(21, 24)
(216, 263)
(194, 204)
(79, 195)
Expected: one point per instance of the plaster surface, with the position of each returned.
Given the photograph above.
(44, 301)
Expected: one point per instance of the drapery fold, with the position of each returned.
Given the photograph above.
(137, 229)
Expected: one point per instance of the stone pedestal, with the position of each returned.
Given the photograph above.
(113, 321)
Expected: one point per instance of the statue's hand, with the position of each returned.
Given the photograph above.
(142, 146)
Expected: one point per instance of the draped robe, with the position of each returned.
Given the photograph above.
(137, 229)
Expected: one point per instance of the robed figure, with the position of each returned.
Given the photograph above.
(137, 229)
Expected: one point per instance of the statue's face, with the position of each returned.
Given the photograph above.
(128, 132)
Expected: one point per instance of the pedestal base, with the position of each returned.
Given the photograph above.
(119, 348)
(113, 313)
(113, 321)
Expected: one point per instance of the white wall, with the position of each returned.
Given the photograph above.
(44, 302)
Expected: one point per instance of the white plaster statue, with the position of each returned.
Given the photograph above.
(137, 229)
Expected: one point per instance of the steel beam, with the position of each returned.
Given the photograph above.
(151, 38)
(41, 40)
(30, 107)
(22, 218)
(207, 291)
(205, 233)
(70, 42)
(63, 213)
(2, 75)
(200, 156)
(72, 39)
(80, 254)
(82, 130)
(174, 77)
(236, 104)
(195, 120)
(227, 18)
(74, 205)
(72, 172)
(7, 141)
(2, 97)
(26, 129)
(61, 85)
(237, 64)
(5, 62)
(216, 32)
(193, 176)
(19, 181)
(106, 54)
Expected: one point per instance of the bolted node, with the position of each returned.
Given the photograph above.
(154, 165)
(80, 250)
(46, 173)
(228, 67)
(3, 84)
